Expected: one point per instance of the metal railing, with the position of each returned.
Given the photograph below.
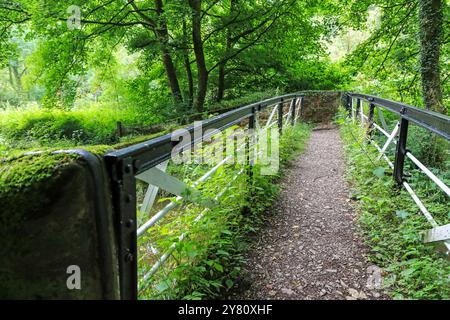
(148, 161)
(434, 122)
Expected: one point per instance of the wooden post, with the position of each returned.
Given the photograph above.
(120, 129)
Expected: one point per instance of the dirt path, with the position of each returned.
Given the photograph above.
(310, 248)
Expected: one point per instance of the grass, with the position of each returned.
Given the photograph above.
(392, 223)
(34, 127)
(31, 128)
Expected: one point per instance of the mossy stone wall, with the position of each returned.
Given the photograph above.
(49, 221)
(320, 106)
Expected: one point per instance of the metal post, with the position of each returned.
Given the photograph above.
(401, 151)
(280, 117)
(124, 194)
(371, 115)
(348, 104)
(250, 143)
(352, 115)
(358, 108)
(301, 106)
(120, 129)
(361, 111)
(293, 104)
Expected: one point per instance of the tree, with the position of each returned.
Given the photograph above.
(410, 34)
(228, 47)
(430, 21)
(206, 47)
(202, 71)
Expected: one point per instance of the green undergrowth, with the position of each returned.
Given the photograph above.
(40, 127)
(13, 148)
(36, 128)
(207, 262)
(393, 224)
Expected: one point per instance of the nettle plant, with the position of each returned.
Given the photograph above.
(206, 262)
(393, 224)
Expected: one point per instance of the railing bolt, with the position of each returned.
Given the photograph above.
(128, 168)
(130, 223)
(137, 165)
(129, 257)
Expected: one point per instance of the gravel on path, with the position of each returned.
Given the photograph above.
(310, 247)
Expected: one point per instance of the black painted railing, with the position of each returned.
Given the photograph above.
(126, 165)
(433, 122)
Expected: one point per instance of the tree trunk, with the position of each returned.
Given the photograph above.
(11, 81)
(171, 76)
(199, 55)
(221, 83)
(187, 66)
(228, 45)
(15, 77)
(430, 21)
(190, 79)
(163, 37)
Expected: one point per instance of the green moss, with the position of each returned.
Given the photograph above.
(21, 172)
(134, 140)
(23, 181)
(99, 149)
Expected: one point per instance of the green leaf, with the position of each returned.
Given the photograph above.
(223, 253)
(162, 286)
(401, 214)
(229, 283)
(218, 267)
(408, 272)
(192, 253)
(379, 172)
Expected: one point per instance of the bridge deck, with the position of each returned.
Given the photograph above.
(310, 248)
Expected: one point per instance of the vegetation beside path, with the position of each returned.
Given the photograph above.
(206, 264)
(393, 224)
